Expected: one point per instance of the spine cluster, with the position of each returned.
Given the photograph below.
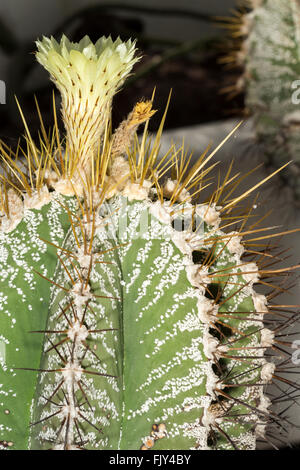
(218, 346)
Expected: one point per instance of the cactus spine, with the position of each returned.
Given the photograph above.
(269, 50)
(128, 317)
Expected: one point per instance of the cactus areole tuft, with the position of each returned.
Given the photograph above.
(128, 314)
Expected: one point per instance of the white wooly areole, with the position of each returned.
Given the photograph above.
(2, 92)
(284, 217)
(87, 76)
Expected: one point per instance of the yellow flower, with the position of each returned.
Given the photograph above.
(87, 75)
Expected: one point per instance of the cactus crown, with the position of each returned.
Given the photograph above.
(145, 326)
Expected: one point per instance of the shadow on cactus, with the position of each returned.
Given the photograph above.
(129, 319)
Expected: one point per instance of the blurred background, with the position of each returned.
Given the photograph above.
(182, 46)
(180, 43)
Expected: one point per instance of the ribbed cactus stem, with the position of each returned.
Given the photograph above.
(87, 76)
(270, 53)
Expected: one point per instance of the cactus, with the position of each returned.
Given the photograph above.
(269, 52)
(128, 317)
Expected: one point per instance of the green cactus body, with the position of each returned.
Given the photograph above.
(271, 54)
(23, 299)
(128, 317)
